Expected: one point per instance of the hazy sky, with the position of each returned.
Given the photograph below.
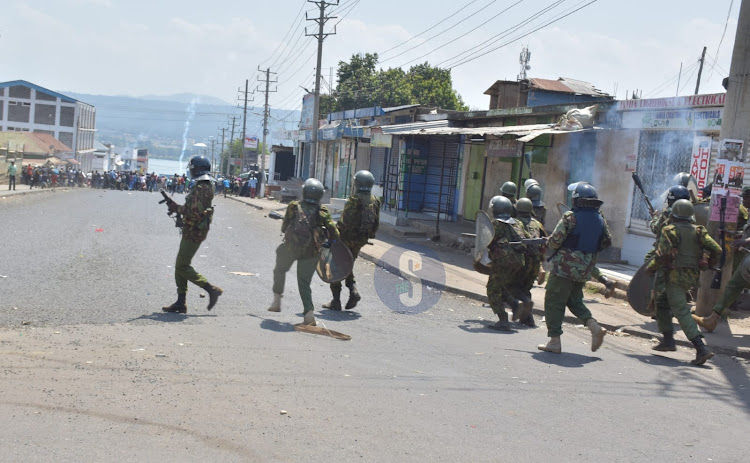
(160, 47)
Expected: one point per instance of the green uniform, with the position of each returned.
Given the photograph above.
(570, 269)
(302, 246)
(739, 255)
(656, 224)
(534, 254)
(508, 261)
(197, 214)
(677, 265)
(358, 223)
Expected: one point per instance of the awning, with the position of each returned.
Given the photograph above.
(525, 132)
(72, 161)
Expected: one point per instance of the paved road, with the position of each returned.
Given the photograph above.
(98, 373)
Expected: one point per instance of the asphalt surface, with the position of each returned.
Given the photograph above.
(92, 370)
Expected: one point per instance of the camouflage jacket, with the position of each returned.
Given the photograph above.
(507, 258)
(742, 218)
(353, 233)
(321, 224)
(535, 229)
(658, 222)
(197, 212)
(667, 249)
(570, 264)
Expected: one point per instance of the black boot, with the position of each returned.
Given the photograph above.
(213, 295)
(335, 303)
(701, 351)
(529, 321)
(354, 297)
(178, 307)
(667, 343)
(502, 323)
(609, 285)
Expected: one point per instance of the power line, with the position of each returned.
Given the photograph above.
(671, 80)
(441, 32)
(462, 35)
(430, 28)
(524, 35)
(718, 48)
(500, 35)
(302, 6)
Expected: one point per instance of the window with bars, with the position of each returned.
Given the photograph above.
(661, 155)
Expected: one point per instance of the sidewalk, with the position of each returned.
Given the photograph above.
(24, 189)
(730, 338)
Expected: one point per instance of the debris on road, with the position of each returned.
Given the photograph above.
(161, 355)
(284, 412)
(245, 274)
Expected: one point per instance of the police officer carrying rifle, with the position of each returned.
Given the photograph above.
(196, 215)
(307, 226)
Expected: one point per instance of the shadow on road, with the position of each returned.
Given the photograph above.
(566, 359)
(277, 326)
(338, 315)
(165, 317)
(482, 326)
(663, 360)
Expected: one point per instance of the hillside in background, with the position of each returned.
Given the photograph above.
(158, 123)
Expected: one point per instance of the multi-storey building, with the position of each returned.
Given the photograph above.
(27, 107)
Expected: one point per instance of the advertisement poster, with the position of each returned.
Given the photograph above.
(730, 176)
(732, 150)
(701, 161)
(251, 143)
(732, 210)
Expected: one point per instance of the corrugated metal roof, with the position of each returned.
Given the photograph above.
(34, 142)
(414, 126)
(525, 132)
(38, 88)
(399, 108)
(566, 85)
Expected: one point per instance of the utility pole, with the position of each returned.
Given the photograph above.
(213, 144)
(321, 20)
(244, 120)
(266, 111)
(221, 153)
(700, 71)
(679, 77)
(735, 124)
(231, 143)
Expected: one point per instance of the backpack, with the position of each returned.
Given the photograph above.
(301, 231)
(368, 219)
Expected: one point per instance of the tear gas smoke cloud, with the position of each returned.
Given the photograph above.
(190, 115)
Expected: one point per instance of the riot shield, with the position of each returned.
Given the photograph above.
(485, 233)
(640, 291)
(335, 263)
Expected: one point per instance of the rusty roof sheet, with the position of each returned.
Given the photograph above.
(566, 85)
(33, 142)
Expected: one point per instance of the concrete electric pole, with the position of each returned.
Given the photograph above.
(221, 153)
(735, 124)
(231, 143)
(321, 20)
(266, 110)
(244, 121)
(700, 71)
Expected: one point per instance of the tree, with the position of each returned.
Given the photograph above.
(360, 85)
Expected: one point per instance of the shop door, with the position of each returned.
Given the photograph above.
(473, 195)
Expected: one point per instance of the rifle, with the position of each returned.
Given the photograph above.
(530, 242)
(638, 183)
(177, 218)
(716, 282)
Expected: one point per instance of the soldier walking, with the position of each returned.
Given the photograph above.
(580, 235)
(534, 255)
(197, 214)
(306, 227)
(680, 256)
(508, 261)
(358, 223)
(510, 191)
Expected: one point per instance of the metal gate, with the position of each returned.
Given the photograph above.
(661, 155)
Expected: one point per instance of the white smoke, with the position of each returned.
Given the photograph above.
(190, 115)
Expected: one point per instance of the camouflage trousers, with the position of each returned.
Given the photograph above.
(286, 255)
(559, 294)
(671, 300)
(497, 290)
(350, 281)
(183, 270)
(731, 292)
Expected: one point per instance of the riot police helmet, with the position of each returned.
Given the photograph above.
(524, 206)
(534, 193)
(502, 209)
(363, 181)
(677, 192)
(312, 191)
(529, 182)
(509, 190)
(683, 178)
(682, 209)
(585, 196)
(199, 166)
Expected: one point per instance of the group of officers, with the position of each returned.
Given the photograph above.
(517, 253)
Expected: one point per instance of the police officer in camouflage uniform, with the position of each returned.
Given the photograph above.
(683, 250)
(534, 193)
(534, 255)
(358, 223)
(197, 214)
(510, 191)
(508, 261)
(307, 226)
(576, 241)
(658, 222)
